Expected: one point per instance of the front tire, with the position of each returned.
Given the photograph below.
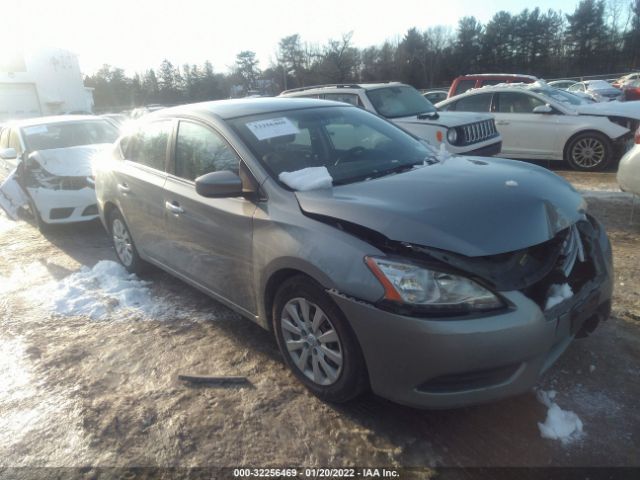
(123, 243)
(43, 226)
(589, 152)
(316, 341)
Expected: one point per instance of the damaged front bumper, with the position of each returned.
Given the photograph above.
(57, 199)
(65, 206)
(457, 361)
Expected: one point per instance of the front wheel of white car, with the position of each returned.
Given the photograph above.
(37, 218)
(316, 341)
(123, 243)
(590, 151)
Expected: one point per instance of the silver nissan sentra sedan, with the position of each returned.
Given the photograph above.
(437, 282)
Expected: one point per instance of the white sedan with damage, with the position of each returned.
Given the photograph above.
(538, 122)
(47, 165)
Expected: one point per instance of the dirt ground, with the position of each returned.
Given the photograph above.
(82, 392)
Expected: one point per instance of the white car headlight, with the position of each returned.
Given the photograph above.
(452, 135)
(417, 286)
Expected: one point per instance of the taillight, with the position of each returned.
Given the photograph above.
(637, 137)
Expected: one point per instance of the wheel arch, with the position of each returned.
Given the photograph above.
(278, 274)
(108, 209)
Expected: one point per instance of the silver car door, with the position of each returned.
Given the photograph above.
(211, 238)
(140, 179)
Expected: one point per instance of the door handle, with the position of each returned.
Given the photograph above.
(173, 208)
(502, 122)
(124, 188)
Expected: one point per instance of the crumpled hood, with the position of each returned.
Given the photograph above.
(467, 205)
(448, 119)
(621, 109)
(68, 162)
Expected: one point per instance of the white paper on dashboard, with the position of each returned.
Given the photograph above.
(274, 127)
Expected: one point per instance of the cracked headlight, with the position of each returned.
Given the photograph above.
(410, 284)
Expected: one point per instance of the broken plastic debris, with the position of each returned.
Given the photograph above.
(214, 380)
(560, 424)
(558, 294)
(511, 183)
(311, 178)
(12, 196)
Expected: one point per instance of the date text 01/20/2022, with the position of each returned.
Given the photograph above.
(316, 472)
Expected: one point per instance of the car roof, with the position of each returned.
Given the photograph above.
(29, 122)
(241, 107)
(501, 87)
(505, 75)
(344, 86)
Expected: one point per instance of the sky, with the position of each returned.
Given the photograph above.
(139, 34)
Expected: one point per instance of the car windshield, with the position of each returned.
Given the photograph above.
(598, 84)
(561, 96)
(400, 101)
(352, 144)
(68, 134)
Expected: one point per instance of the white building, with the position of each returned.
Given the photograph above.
(45, 82)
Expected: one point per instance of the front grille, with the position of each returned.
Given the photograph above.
(574, 264)
(74, 183)
(478, 132)
(60, 213)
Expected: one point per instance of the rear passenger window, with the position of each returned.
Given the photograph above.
(200, 150)
(474, 103)
(149, 145)
(511, 102)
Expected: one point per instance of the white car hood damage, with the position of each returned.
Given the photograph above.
(619, 109)
(60, 162)
(68, 162)
(446, 119)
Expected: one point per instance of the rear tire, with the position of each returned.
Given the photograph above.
(316, 341)
(123, 243)
(589, 152)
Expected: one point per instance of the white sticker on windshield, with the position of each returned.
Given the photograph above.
(274, 127)
(35, 130)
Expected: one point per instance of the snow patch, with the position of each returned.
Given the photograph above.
(511, 183)
(443, 154)
(311, 178)
(560, 424)
(105, 289)
(558, 294)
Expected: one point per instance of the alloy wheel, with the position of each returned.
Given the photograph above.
(588, 152)
(122, 242)
(312, 341)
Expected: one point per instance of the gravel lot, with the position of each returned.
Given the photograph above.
(77, 391)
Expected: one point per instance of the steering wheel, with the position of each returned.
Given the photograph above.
(352, 154)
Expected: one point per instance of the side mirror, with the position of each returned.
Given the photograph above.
(8, 153)
(219, 184)
(543, 109)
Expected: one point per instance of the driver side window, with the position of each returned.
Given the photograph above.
(200, 150)
(510, 102)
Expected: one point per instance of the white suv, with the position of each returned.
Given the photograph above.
(461, 133)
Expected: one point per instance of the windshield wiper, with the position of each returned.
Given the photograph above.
(428, 115)
(383, 173)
